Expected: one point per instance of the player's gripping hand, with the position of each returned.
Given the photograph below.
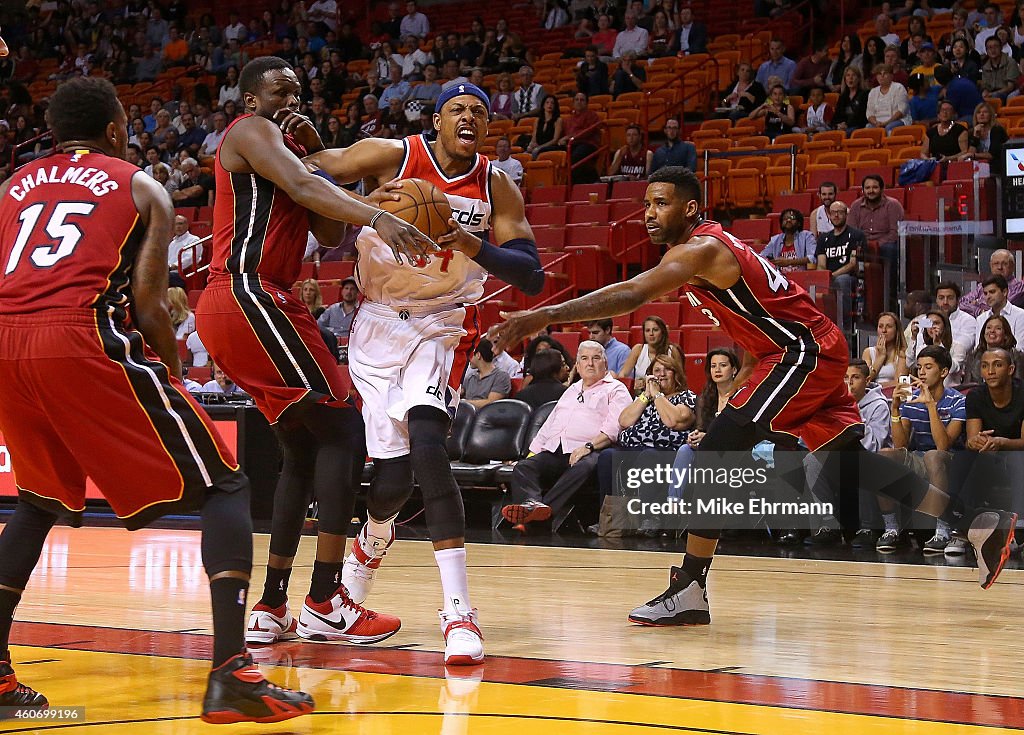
(518, 326)
(458, 239)
(300, 127)
(404, 239)
(383, 193)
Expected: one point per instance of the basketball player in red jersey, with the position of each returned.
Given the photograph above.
(268, 342)
(90, 384)
(791, 384)
(411, 341)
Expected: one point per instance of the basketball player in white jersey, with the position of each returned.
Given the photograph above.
(412, 338)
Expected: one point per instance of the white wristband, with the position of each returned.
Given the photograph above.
(373, 219)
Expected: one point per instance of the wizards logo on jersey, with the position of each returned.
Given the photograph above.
(472, 214)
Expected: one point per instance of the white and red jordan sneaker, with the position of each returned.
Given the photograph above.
(362, 563)
(339, 619)
(269, 625)
(463, 641)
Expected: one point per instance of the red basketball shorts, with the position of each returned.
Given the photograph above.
(82, 396)
(266, 340)
(801, 392)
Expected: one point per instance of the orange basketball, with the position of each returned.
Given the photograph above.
(422, 205)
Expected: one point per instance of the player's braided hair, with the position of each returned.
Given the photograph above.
(81, 109)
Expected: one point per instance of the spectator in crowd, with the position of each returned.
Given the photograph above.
(999, 73)
(747, 93)
(312, 297)
(874, 410)
(486, 383)
(547, 129)
(212, 140)
(794, 248)
(564, 453)
(812, 70)
(936, 331)
(629, 77)
(878, 217)
(883, 29)
(948, 139)
(592, 74)
(504, 161)
(235, 29)
(193, 137)
(182, 318)
(632, 160)
(196, 188)
(691, 35)
(162, 173)
(582, 138)
(528, 98)
(927, 426)
(414, 22)
(501, 100)
(838, 251)
(849, 55)
(557, 16)
(149, 65)
(961, 64)
(852, 106)
(616, 353)
(179, 247)
(963, 326)
(996, 291)
(1001, 263)
(923, 98)
(175, 51)
(398, 88)
(656, 342)
(393, 121)
(199, 356)
(961, 92)
(995, 332)
(888, 106)
(631, 38)
(134, 155)
(779, 116)
(230, 90)
(222, 384)
(777, 65)
(927, 63)
(888, 356)
(545, 385)
(337, 318)
(991, 18)
(874, 54)
(818, 115)
(987, 139)
(918, 303)
(540, 343)
(674, 152)
(604, 36)
(371, 126)
(821, 222)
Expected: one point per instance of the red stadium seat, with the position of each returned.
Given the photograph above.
(336, 270)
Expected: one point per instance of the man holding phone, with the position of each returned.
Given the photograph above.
(928, 422)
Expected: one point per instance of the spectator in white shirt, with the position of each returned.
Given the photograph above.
(212, 140)
(995, 289)
(505, 162)
(883, 29)
(221, 383)
(631, 38)
(820, 222)
(557, 15)
(962, 325)
(235, 29)
(180, 244)
(414, 23)
(888, 106)
(324, 11)
(200, 356)
(182, 318)
(528, 98)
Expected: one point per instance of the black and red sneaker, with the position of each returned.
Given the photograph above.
(14, 694)
(237, 692)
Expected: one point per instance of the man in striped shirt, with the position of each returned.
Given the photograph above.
(928, 422)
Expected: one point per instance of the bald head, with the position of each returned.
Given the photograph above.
(1003, 263)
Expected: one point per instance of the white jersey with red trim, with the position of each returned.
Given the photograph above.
(449, 277)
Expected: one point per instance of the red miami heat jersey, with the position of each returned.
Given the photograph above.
(69, 234)
(450, 277)
(763, 311)
(257, 228)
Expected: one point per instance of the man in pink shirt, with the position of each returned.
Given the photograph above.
(563, 456)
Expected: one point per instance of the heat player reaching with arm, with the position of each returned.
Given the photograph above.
(791, 386)
(412, 339)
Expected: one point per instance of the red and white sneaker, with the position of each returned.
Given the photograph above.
(269, 625)
(463, 641)
(362, 563)
(339, 619)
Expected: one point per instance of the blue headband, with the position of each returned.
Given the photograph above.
(457, 90)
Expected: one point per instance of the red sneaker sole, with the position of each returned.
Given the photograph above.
(1004, 555)
(463, 661)
(230, 718)
(519, 517)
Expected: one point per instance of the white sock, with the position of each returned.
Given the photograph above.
(941, 528)
(891, 523)
(454, 584)
(380, 529)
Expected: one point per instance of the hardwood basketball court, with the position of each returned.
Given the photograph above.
(119, 623)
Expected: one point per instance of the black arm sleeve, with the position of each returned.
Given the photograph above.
(516, 262)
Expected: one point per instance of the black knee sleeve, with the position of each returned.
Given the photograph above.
(294, 490)
(227, 529)
(340, 448)
(21, 543)
(390, 487)
(442, 500)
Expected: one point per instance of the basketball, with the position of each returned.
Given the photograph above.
(422, 205)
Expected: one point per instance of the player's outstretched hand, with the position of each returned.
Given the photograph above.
(404, 239)
(458, 239)
(385, 193)
(300, 127)
(518, 326)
